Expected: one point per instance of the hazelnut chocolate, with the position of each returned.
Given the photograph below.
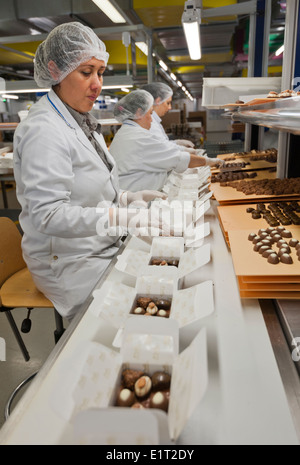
(152, 308)
(143, 386)
(129, 378)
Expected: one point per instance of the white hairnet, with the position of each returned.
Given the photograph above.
(67, 45)
(133, 106)
(158, 90)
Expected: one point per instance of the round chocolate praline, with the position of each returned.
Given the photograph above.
(125, 398)
(258, 246)
(251, 237)
(273, 259)
(267, 253)
(159, 400)
(287, 234)
(293, 242)
(286, 259)
(161, 380)
(263, 249)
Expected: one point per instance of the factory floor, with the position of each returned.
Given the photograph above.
(39, 341)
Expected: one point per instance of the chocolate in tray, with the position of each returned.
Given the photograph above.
(152, 306)
(140, 390)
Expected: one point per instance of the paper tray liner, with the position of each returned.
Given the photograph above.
(270, 295)
(270, 279)
(251, 287)
(249, 263)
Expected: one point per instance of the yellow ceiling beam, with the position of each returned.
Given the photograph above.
(188, 69)
(117, 54)
(206, 59)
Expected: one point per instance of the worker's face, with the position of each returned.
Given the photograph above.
(163, 108)
(146, 120)
(81, 88)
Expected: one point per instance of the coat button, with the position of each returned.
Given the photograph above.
(55, 257)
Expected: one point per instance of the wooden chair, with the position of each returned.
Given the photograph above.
(17, 288)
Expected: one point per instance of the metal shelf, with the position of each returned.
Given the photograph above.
(283, 115)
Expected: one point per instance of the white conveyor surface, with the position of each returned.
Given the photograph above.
(245, 403)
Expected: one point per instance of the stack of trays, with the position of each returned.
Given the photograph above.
(259, 279)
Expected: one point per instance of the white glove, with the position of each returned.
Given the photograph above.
(141, 198)
(134, 221)
(185, 143)
(214, 162)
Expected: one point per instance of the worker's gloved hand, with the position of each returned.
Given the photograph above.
(134, 221)
(141, 198)
(185, 143)
(188, 149)
(214, 162)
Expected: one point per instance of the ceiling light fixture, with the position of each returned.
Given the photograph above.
(279, 51)
(110, 10)
(8, 96)
(143, 47)
(163, 65)
(191, 20)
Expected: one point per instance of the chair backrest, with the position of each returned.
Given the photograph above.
(11, 259)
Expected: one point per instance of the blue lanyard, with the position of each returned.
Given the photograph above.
(57, 110)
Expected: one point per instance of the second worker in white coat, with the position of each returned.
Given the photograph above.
(144, 160)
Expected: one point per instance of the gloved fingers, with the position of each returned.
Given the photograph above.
(138, 204)
(149, 195)
(185, 143)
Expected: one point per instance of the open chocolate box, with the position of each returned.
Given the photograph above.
(116, 302)
(165, 249)
(93, 377)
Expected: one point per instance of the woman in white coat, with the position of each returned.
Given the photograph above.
(144, 161)
(162, 95)
(63, 171)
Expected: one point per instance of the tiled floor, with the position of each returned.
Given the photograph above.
(39, 341)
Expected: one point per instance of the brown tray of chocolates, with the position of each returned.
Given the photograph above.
(267, 189)
(159, 306)
(262, 215)
(140, 390)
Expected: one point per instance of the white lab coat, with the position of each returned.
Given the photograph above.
(144, 161)
(157, 130)
(60, 181)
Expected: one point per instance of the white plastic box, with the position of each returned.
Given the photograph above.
(91, 378)
(221, 91)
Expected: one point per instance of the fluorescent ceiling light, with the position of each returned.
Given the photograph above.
(25, 91)
(116, 86)
(191, 19)
(125, 89)
(143, 47)
(180, 84)
(192, 35)
(173, 77)
(279, 51)
(163, 65)
(14, 97)
(110, 11)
